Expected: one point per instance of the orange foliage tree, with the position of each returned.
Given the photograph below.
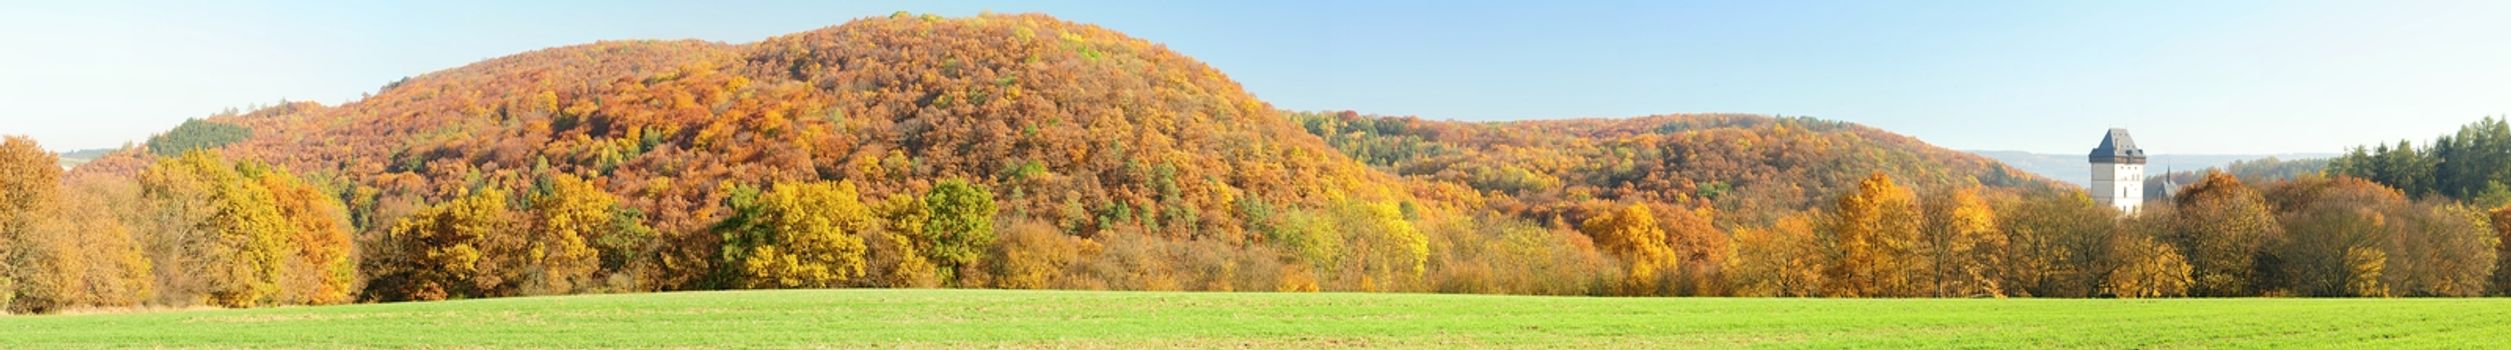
(2220, 226)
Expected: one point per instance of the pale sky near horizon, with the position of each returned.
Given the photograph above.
(2187, 77)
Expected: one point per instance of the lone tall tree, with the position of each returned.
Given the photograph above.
(29, 183)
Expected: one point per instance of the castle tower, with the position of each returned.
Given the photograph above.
(2118, 172)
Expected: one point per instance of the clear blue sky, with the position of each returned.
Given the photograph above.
(2046, 76)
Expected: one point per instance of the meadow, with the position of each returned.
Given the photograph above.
(1080, 319)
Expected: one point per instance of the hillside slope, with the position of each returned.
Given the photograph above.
(1072, 127)
(1078, 120)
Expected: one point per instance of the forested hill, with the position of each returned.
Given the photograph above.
(1070, 127)
(1008, 151)
(1073, 125)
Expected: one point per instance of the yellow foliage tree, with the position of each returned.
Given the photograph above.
(29, 182)
(2363, 266)
(1408, 241)
(799, 235)
(895, 259)
(111, 271)
(1033, 255)
(1633, 234)
(447, 247)
(569, 213)
(1382, 250)
(2146, 269)
(29, 187)
(227, 231)
(319, 270)
(1782, 260)
(1964, 246)
(1874, 241)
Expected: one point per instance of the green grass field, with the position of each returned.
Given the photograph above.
(1059, 319)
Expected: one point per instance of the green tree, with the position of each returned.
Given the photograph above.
(2473, 161)
(2473, 164)
(1309, 239)
(196, 134)
(961, 228)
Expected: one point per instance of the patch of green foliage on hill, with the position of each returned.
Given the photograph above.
(196, 134)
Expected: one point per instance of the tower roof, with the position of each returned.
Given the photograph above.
(2117, 147)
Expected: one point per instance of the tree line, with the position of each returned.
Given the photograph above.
(202, 230)
(2471, 165)
(198, 229)
(2219, 237)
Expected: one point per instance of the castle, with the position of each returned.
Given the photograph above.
(2118, 172)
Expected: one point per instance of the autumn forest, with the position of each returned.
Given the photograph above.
(1027, 152)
